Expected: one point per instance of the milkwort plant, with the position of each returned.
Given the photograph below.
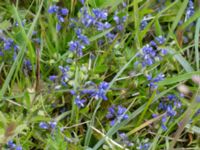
(91, 74)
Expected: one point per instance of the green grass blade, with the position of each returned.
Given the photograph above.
(184, 63)
(178, 78)
(196, 41)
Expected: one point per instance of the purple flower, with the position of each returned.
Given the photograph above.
(163, 127)
(1, 53)
(164, 51)
(53, 9)
(61, 13)
(84, 39)
(101, 92)
(143, 23)
(18, 148)
(8, 44)
(64, 11)
(58, 27)
(116, 114)
(153, 44)
(76, 46)
(170, 111)
(78, 32)
(152, 81)
(190, 9)
(144, 146)
(160, 39)
(116, 19)
(87, 19)
(80, 102)
(64, 76)
(27, 64)
(11, 144)
(52, 124)
(110, 36)
(100, 14)
(43, 125)
(52, 78)
(60, 18)
(102, 26)
(82, 2)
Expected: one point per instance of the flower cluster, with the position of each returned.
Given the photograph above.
(78, 45)
(99, 93)
(9, 47)
(144, 22)
(47, 126)
(63, 78)
(60, 13)
(119, 21)
(152, 81)
(80, 102)
(96, 20)
(151, 52)
(169, 104)
(12, 146)
(116, 114)
(190, 9)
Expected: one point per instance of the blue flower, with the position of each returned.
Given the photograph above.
(119, 21)
(100, 14)
(60, 18)
(76, 46)
(18, 148)
(87, 19)
(64, 11)
(84, 39)
(144, 146)
(58, 27)
(102, 26)
(8, 44)
(116, 114)
(53, 9)
(52, 78)
(43, 125)
(61, 13)
(101, 92)
(143, 23)
(163, 127)
(160, 39)
(153, 81)
(80, 102)
(110, 36)
(52, 124)
(190, 9)
(27, 64)
(82, 1)
(64, 76)
(11, 144)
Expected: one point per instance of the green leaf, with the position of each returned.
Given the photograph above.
(178, 78)
(185, 64)
(196, 41)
